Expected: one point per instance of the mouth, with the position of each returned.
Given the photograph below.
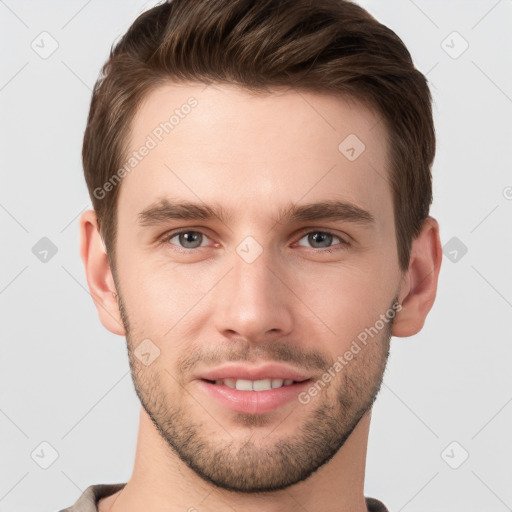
(253, 388)
(252, 396)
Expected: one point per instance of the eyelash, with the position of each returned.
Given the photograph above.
(171, 234)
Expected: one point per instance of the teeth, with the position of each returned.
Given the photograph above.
(243, 385)
(277, 383)
(254, 385)
(230, 383)
(262, 385)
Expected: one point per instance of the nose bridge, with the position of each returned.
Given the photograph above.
(254, 300)
(254, 272)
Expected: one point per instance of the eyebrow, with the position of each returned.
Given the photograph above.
(165, 210)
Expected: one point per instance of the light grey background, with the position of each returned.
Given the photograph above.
(65, 380)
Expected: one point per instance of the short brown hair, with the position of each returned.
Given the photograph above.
(330, 46)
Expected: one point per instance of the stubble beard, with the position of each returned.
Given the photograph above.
(241, 465)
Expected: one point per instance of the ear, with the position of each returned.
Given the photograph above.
(99, 276)
(419, 285)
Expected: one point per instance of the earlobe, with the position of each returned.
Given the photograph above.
(99, 276)
(419, 286)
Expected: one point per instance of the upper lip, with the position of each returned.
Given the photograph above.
(244, 371)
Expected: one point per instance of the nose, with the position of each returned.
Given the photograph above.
(255, 301)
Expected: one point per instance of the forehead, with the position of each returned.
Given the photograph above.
(255, 153)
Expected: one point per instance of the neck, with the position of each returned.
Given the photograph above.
(161, 481)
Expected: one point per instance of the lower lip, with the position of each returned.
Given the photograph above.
(253, 402)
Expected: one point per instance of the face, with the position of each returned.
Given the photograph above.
(243, 310)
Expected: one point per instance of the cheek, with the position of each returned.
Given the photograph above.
(160, 296)
(348, 300)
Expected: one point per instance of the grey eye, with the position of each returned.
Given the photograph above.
(323, 238)
(188, 239)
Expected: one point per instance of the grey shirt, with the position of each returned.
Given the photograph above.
(88, 501)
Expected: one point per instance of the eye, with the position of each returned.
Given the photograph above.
(324, 239)
(187, 239)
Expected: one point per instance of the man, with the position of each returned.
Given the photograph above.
(261, 180)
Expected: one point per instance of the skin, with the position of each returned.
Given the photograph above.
(255, 155)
